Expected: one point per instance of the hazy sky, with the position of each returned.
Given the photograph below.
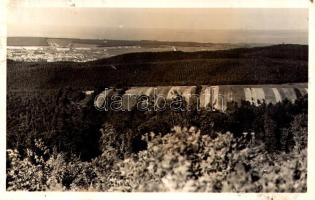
(156, 23)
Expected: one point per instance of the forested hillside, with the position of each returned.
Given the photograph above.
(273, 64)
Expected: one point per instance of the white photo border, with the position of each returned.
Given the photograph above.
(310, 194)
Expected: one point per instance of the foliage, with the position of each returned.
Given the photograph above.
(67, 121)
(186, 160)
(55, 116)
(183, 160)
(35, 172)
(137, 151)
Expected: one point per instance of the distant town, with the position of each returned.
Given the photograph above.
(32, 49)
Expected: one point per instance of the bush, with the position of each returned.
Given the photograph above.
(298, 129)
(185, 160)
(46, 170)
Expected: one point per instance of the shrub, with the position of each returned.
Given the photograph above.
(185, 160)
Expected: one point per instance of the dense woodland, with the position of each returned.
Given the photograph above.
(63, 122)
(57, 140)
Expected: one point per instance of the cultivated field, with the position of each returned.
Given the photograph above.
(216, 97)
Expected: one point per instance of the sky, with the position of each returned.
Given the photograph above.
(261, 25)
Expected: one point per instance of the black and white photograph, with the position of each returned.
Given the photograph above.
(149, 99)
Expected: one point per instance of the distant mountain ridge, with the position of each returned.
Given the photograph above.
(66, 42)
(283, 51)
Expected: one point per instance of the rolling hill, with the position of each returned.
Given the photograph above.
(258, 65)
